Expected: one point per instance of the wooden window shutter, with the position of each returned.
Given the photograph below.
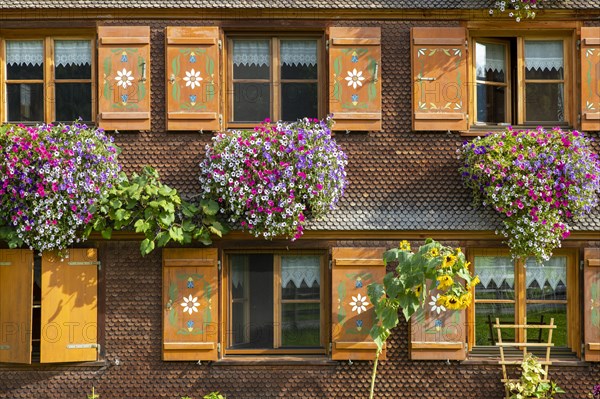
(438, 336)
(69, 307)
(193, 78)
(124, 77)
(190, 304)
(355, 78)
(590, 79)
(439, 76)
(353, 269)
(16, 304)
(591, 300)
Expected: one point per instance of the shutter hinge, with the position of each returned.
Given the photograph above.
(219, 265)
(330, 347)
(219, 348)
(466, 44)
(578, 44)
(467, 119)
(326, 45)
(220, 44)
(221, 122)
(4, 347)
(83, 346)
(5, 263)
(581, 264)
(98, 263)
(579, 119)
(330, 263)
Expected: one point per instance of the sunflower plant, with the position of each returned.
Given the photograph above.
(432, 267)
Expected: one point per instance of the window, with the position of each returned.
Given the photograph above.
(48, 80)
(276, 303)
(517, 292)
(274, 77)
(521, 80)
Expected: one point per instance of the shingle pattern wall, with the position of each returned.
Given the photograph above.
(133, 335)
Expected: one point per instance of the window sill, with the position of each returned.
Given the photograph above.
(38, 366)
(483, 360)
(275, 360)
(482, 130)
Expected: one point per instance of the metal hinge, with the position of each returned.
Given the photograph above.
(83, 346)
(4, 347)
(578, 119)
(467, 118)
(220, 44)
(220, 121)
(219, 265)
(466, 43)
(5, 263)
(581, 264)
(330, 263)
(86, 264)
(327, 45)
(578, 44)
(219, 348)
(330, 347)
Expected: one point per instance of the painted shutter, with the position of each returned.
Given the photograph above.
(16, 304)
(353, 269)
(591, 295)
(439, 75)
(192, 54)
(590, 79)
(69, 307)
(438, 336)
(190, 284)
(124, 77)
(355, 52)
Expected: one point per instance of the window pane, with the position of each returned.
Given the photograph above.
(543, 312)
(491, 103)
(72, 59)
(252, 320)
(497, 275)
(251, 59)
(251, 102)
(24, 59)
(544, 59)
(298, 59)
(485, 318)
(73, 101)
(491, 62)
(301, 325)
(25, 102)
(547, 281)
(544, 102)
(300, 277)
(299, 100)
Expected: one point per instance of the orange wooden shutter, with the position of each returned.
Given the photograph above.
(353, 269)
(69, 307)
(355, 78)
(16, 304)
(124, 77)
(590, 79)
(591, 300)
(190, 304)
(192, 78)
(439, 75)
(437, 336)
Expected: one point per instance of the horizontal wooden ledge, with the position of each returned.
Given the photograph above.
(191, 40)
(358, 262)
(356, 345)
(439, 41)
(439, 115)
(125, 40)
(192, 115)
(357, 115)
(525, 344)
(190, 262)
(593, 262)
(591, 41)
(189, 346)
(437, 345)
(525, 326)
(124, 115)
(594, 346)
(591, 115)
(349, 41)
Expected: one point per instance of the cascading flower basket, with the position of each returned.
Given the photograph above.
(517, 9)
(272, 178)
(50, 179)
(537, 179)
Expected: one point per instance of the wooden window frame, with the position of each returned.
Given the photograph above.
(275, 78)
(277, 301)
(564, 32)
(520, 301)
(48, 37)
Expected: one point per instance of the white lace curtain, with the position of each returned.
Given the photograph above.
(501, 270)
(72, 52)
(25, 52)
(258, 52)
(300, 268)
(489, 57)
(544, 54)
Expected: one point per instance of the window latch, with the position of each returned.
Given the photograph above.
(172, 78)
(424, 79)
(143, 65)
(376, 73)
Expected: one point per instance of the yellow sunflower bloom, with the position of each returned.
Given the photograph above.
(475, 281)
(418, 289)
(453, 302)
(404, 245)
(465, 300)
(444, 282)
(433, 252)
(448, 262)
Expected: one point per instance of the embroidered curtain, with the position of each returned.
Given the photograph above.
(544, 54)
(72, 52)
(299, 52)
(258, 52)
(500, 270)
(300, 268)
(25, 52)
(489, 57)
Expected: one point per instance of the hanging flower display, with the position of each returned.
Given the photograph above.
(538, 179)
(517, 9)
(50, 179)
(272, 178)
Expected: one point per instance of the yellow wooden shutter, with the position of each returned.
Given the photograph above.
(190, 304)
(591, 300)
(69, 307)
(16, 303)
(590, 79)
(353, 315)
(124, 77)
(436, 336)
(355, 78)
(439, 76)
(193, 78)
